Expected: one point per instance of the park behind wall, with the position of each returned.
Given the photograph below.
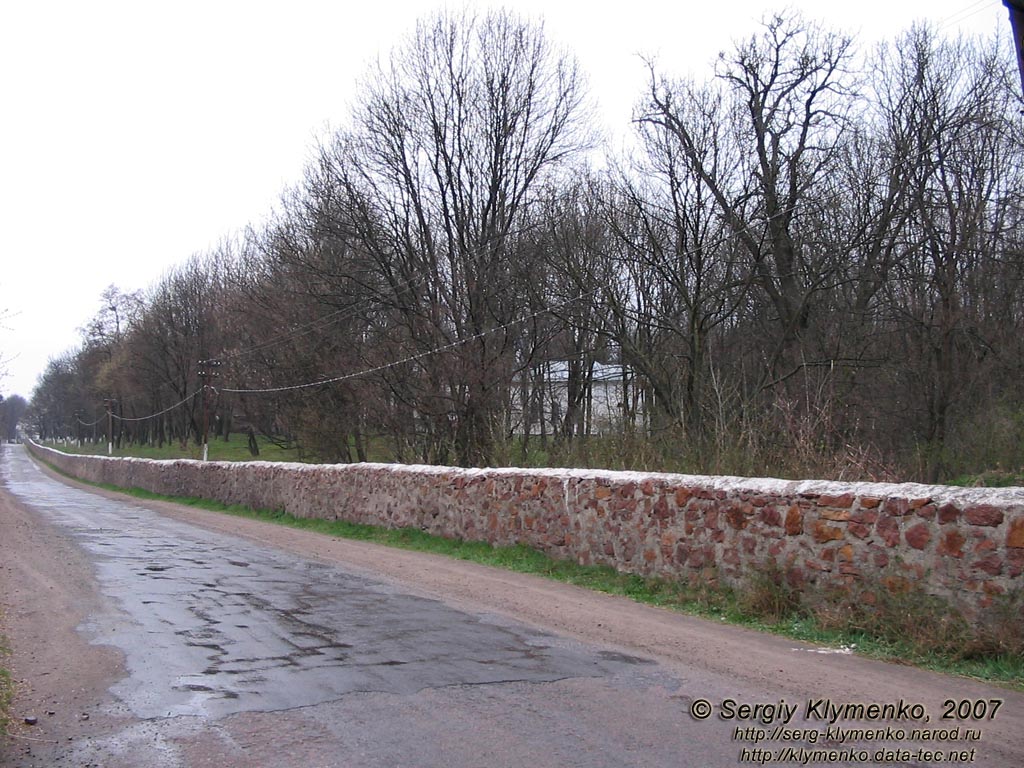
(966, 545)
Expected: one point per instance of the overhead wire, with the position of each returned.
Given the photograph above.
(159, 413)
(965, 13)
(140, 418)
(405, 360)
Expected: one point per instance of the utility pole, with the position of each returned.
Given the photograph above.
(108, 403)
(1016, 9)
(208, 370)
(78, 427)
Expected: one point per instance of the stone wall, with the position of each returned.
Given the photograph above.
(964, 544)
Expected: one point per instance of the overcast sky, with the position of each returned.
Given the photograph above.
(135, 134)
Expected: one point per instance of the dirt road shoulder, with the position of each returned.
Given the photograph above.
(47, 591)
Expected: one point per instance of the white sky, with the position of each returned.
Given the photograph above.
(134, 134)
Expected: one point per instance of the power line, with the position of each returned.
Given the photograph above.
(91, 423)
(965, 13)
(403, 361)
(158, 413)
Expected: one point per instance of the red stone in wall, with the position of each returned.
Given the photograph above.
(949, 513)
(845, 501)
(984, 515)
(889, 529)
(770, 516)
(824, 532)
(1015, 534)
(794, 521)
(838, 515)
(1015, 562)
(951, 544)
(991, 564)
(918, 535)
(896, 506)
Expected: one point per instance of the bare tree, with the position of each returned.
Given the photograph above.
(679, 276)
(787, 98)
(950, 102)
(452, 136)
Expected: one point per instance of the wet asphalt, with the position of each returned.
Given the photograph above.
(241, 654)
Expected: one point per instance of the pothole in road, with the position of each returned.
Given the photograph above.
(193, 688)
(623, 658)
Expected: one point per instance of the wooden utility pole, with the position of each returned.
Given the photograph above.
(208, 370)
(108, 403)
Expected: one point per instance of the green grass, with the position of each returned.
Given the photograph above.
(913, 628)
(6, 687)
(993, 478)
(235, 449)
(219, 450)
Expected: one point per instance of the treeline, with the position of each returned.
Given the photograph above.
(809, 263)
(12, 410)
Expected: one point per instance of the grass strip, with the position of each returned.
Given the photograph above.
(747, 608)
(219, 450)
(6, 686)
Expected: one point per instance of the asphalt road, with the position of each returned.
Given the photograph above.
(148, 636)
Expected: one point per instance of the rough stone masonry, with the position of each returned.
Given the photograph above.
(964, 544)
